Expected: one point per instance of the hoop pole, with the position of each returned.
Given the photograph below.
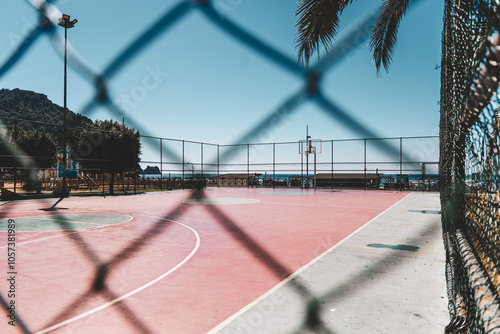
(314, 169)
(301, 171)
(307, 170)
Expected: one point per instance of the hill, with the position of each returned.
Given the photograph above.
(28, 105)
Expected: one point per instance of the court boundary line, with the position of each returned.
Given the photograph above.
(88, 229)
(40, 217)
(299, 271)
(81, 198)
(137, 290)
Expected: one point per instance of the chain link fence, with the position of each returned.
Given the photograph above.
(340, 164)
(469, 163)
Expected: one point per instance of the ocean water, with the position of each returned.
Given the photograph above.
(281, 177)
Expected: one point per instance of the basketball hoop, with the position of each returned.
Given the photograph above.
(307, 147)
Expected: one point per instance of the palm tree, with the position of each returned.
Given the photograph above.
(318, 23)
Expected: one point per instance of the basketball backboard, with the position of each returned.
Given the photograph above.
(310, 146)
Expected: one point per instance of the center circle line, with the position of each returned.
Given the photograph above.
(131, 293)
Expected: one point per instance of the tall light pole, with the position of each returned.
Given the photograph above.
(66, 24)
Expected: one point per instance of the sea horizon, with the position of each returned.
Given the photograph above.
(411, 176)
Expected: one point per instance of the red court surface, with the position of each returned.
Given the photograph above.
(168, 266)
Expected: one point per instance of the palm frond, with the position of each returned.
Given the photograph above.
(384, 35)
(317, 24)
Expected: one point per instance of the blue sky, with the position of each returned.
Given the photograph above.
(196, 82)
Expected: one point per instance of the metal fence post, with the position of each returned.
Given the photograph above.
(248, 165)
(332, 164)
(364, 159)
(102, 162)
(400, 155)
(423, 175)
(161, 164)
(218, 165)
(183, 185)
(15, 155)
(274, 164)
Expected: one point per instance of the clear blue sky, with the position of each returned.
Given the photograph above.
(210, 87)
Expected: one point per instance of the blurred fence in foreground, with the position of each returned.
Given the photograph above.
(391, 156)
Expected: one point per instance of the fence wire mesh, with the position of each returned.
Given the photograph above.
(469, 161)
(460, 23)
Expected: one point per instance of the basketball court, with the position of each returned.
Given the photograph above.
(171, 262)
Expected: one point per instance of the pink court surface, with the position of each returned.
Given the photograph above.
(166, 262)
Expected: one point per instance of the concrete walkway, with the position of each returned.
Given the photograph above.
(388, 277)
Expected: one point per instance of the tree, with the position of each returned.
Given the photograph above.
(318, 23)
(28, 150)
(109, 147)
(37, 145)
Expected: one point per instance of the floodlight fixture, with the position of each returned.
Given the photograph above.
(65, 22)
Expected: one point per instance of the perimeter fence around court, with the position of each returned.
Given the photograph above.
(348, 163)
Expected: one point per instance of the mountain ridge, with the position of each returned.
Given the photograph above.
(35, 107)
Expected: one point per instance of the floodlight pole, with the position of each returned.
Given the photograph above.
(65, 23)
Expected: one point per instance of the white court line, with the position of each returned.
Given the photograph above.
(64, 234)
(226, 322)
(43, 218)
(321, 206)
(114, 301)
